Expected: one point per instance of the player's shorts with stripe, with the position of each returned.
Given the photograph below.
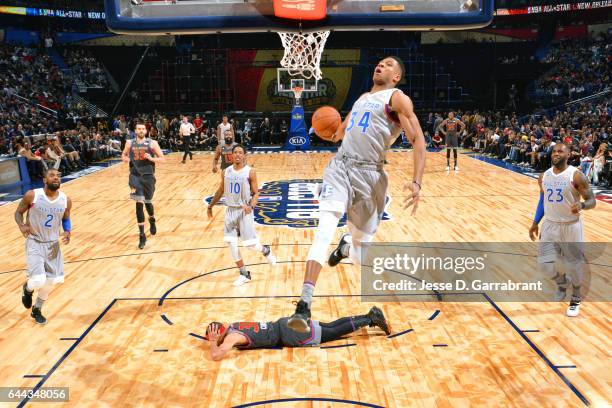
(291, 338)
(452, 140)
(561, 239)
(45, 258)
(239, 225)
(143, 187)
(356, 187)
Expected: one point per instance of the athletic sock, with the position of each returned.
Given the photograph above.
(39, 303)
(307, 292)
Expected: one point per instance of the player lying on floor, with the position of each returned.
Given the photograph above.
(249, 335)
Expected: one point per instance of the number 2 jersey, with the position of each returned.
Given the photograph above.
(559, 195)
(371, 128)
(45, 216)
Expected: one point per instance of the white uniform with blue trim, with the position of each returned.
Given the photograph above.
(560, 225)
(43, 252)
(237, 194)
(354, 180)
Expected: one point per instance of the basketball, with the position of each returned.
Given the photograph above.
(325, 121)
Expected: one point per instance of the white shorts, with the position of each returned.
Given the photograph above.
(561, 239)
(357, 188)
(45, 258)
(239, 225)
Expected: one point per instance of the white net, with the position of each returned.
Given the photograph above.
(303, 53)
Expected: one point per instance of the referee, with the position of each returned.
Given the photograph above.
(186, 130)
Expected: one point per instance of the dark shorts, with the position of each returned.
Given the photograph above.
(452, 140)
(143, 187)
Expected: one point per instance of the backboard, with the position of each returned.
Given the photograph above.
(210, 16)
(285, 82)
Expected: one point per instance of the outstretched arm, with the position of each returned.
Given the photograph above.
(410, 123)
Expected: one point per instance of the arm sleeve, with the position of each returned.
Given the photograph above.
(540, 210)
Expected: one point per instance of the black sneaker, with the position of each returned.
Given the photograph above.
(26, 297)
(378, 319)
(152, 226)
(142, 241)
(299, 320)
(37, 315)
(336, 256)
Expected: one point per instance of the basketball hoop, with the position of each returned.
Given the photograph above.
(303, 53)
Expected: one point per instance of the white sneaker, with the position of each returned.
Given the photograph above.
(574, 307)
(456, 168)
(447, 168)
(241, 280)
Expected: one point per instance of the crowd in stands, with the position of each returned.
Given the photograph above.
(581, 67)
(85, 69)
(527, 142)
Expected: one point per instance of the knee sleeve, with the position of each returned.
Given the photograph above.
(257, 247)
(455, 153)
(36, 281)
(43, 293)
(328, 222)
(150, 210)
(234, 251)
(447, 153)
(140, 212)
(357, 238)
(547, 269)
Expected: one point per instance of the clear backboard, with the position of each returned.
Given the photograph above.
(210, 16)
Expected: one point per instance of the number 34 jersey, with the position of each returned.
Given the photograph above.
(371, 127)
(559, 195)
(45, 216)
(237, 186)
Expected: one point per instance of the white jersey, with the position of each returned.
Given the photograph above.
(559, 195)
(186, 129)
(370, 130)
(237, 186)
(223, 127)
(45, 216)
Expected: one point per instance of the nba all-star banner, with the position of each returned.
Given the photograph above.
(297, 139)
(555, 8)
(45, 12)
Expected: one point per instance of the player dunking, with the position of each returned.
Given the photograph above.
(250, 335)
(239, 186)
(224, 151)
(561, 187)
(142, 153)
(448, 127)
(48, 210)
(355, 181)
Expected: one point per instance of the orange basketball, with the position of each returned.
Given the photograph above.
(325, 121)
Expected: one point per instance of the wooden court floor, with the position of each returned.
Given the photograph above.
(110, 340)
